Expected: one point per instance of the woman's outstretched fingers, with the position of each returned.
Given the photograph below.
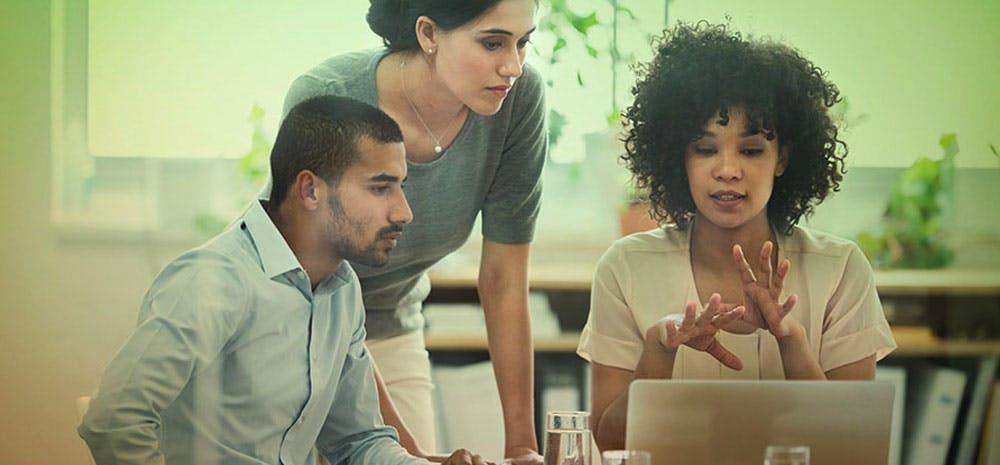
(746, 274)
(723, 355)
(765, 261)
(779, 276)
(789, 304)
(670, 340)
(727, 317)
(690, 311)
(713, 308)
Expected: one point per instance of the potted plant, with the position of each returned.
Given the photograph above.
(911, 233)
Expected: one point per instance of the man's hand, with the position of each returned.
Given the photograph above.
(762, 292)
(464, 457)
(436, 458)
(698, 331)
(523, 456)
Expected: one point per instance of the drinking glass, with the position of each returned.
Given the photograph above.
(567, 438)
(625, 457)
(786, 455)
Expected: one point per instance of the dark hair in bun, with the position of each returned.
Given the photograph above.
(394, 20)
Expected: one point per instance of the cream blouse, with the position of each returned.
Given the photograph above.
(645, 276)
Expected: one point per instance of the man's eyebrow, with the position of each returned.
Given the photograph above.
(384, 178)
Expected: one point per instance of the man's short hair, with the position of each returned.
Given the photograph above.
(321, 135)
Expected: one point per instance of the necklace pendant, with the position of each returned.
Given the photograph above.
(438, 149)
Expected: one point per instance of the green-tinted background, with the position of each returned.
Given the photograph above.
(67, 304)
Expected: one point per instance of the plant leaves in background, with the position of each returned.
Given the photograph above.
(252, 170)
(582, 23)
(911, 235)
(556, 123)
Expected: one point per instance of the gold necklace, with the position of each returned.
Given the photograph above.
(406, 95)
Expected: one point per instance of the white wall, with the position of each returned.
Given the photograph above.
(64, 306)
(917, 68)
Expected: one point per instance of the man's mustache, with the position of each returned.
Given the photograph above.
(394, 228)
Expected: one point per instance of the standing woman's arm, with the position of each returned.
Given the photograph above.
(509, 213)
(503, 291)
(391, 417)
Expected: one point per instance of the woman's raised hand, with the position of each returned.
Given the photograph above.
(698, 331)
(762, 291)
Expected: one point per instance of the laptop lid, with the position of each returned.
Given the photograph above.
(693, 422)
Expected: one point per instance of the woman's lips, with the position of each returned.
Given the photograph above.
(499, 91)
(727, 198)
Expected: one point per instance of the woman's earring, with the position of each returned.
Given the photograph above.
(430, 50)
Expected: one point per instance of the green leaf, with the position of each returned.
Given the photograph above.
(256, 115)
(994, 149)
(556, 123)
(579, 78)
(255, 163)
(873, 247)
(949, 142)
(591, 51)
(560, 43)
(583, 23)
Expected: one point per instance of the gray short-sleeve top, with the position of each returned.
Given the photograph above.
(492, 167)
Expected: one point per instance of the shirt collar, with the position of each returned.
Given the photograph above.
(276, 258)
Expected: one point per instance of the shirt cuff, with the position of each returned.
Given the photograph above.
(848, 349)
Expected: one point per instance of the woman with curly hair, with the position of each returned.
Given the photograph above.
(733, 140)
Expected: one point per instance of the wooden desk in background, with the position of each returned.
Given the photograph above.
(919, 300)
(913, 341)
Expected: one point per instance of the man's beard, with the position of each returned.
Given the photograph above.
(343, 247)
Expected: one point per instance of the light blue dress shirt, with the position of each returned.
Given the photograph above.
(236, 360)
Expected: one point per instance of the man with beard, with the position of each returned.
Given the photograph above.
(250, 348)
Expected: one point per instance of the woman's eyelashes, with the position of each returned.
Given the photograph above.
(745, 151)
(492, 44)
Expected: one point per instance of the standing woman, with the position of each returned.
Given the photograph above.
(452, 74)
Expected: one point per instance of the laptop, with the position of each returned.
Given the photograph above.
(691, 422)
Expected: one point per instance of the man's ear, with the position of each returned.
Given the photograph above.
(309, 190)
(783, 156)
(426, 30)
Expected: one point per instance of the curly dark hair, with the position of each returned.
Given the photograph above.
(703, 69)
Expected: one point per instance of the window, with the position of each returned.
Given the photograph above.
(151, 102)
